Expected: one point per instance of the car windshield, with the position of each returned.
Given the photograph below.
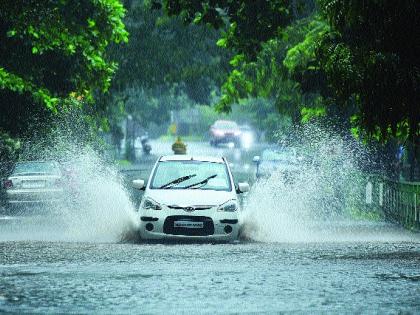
(226, 125)
(28, 168)
(191, 175)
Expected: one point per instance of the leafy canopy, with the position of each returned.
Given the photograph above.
(359, 55)
(51, 50)
(371, 58)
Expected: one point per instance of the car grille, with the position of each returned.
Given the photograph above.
(189, 209)
(208, 226)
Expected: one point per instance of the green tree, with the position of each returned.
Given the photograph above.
(52, 51)
(261, 33)
(363, 62)
(165, 66)
(250, 23)
(371, 60)
(163, 52)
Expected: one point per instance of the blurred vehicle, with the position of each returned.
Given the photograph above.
(225, 131)
(34, 182)
(145, 144)
(279, 160)
(190, 198)
(248, 136)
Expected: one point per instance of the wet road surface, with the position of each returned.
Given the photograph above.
(75, 262)
(363, 276)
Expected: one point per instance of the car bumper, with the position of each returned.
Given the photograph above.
(222, 227)
(28, 197)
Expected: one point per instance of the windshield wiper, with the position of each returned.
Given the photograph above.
(203, 182)
(177, 181)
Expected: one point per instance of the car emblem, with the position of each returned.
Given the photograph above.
(189, 209)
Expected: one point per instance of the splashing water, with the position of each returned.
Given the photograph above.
(95, 207)
(104, 210)
(317, 203)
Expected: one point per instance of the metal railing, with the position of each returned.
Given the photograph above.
(398, 201)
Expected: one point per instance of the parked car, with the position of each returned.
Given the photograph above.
(33, 182)
(279, 160)
(225, 131)
(190, 198)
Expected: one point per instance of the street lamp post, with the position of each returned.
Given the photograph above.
(128, 142)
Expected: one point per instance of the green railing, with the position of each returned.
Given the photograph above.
(397, 201)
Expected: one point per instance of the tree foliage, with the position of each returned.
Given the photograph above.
(164, 52)
(284, 70)
(250, 23)
(261, 33)
(371, 58)
(165, 66)
(358, 57)
(54, 50)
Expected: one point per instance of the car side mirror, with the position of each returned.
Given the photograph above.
(242, 188)
(256, 159)
(138, 184)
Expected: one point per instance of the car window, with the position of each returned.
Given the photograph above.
(27, 168)
(226, 124)
(168, 171)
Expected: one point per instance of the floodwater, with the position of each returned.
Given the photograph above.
(298, 256)
(371, 275)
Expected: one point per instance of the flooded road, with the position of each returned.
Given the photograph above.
(299, 256)
(365, 276)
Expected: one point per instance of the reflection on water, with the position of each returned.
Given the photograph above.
(254, 277)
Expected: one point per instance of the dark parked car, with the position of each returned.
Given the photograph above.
(225, 131)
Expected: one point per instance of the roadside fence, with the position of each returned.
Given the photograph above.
(398, 201)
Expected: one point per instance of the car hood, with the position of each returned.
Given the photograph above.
(190, 197)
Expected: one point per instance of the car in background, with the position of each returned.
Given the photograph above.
(283, 161)
(190, 198)
(33, 182)
(225, 131)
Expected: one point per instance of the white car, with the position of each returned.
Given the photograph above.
(34, 183)
(192, 198)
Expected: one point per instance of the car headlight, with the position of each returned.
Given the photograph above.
(149, 203)
(229, 206)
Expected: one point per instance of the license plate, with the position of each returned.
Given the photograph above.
(188, 224)
(33, 184)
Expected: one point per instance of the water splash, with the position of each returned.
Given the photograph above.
(96, 207)
(318, 202)
(100, 207)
